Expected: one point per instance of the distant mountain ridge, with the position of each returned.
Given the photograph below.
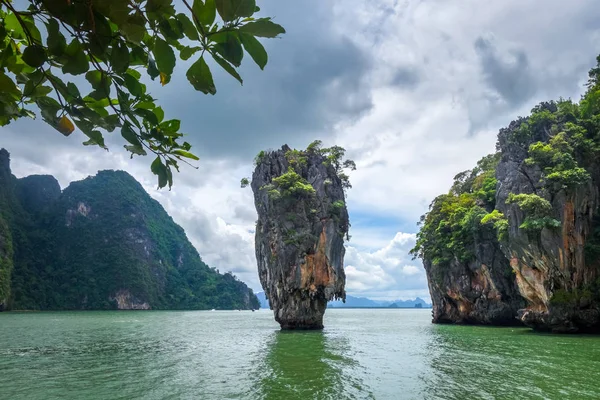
(361, 302)
(101, 243)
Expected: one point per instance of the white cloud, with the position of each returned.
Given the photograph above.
(386, 273)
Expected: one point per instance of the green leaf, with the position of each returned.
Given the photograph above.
(186, 154)
(77, 62)
(255, 49)
(96, 138)
(110, 122)
(94, 78)
(263, 27)
(32, 91)
(33, 31)
(102, 85)
(232, 9)
(119, 57)
(188, 52)
(171, 126)
(133, 85)
(8, 111)
(227, 67)
(147, 115)
(135, 73)
(205, 12)
(159, 8)
(128, 134)
(188, 27)
(35, 56)
(160, 170)
(137, 56)
(170, 177)
(27, 113)
(135, 150)
(146, 105)
(201, 78)
(8, 87)
(116, 10)
(13, 25)
(160, 114)
(134, 28)
(48, 107)
(73, 90)
(171, 29)
(164, 56)
(231, 49)
(60, 86)
(56, 41)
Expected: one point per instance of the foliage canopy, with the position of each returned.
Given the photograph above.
(112, 43)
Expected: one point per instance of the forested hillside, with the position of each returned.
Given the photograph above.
(102, 243)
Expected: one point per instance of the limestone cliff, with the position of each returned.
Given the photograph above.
(541, 197)
(302, 223)
(470, 280)
(556, 265)
(479, 291)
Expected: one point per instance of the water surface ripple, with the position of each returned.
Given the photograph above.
(362, 354)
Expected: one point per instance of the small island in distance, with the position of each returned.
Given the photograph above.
(361, 302)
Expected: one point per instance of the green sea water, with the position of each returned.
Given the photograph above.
(361, 354)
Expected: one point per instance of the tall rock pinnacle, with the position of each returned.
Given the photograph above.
(302, 223)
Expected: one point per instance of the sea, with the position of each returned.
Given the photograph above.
(361, 354)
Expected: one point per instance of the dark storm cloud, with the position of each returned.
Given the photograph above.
(314, 78)
(508, 74)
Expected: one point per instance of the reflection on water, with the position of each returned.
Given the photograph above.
(308, 365)
(475, 362)
(361, 354)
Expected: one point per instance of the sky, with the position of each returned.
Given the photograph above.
(415, 90)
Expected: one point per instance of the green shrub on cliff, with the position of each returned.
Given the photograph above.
(538, 211)
(557, 159)
(447, 230)
(499, 222)
(291, 184)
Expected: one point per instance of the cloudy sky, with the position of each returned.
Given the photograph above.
(415, 90)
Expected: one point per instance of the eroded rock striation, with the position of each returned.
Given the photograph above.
(552, 213)
(480, 291)
(531, 218)
(470, 280)
(302, 223)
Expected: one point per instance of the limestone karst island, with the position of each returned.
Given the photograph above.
(263, 200)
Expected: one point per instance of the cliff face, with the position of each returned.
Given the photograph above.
(542, 200)
(302, 222)
(470, 280)
(6, 241)
(103, 243)
(480, 291)
(555, 265)
(6, 263)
